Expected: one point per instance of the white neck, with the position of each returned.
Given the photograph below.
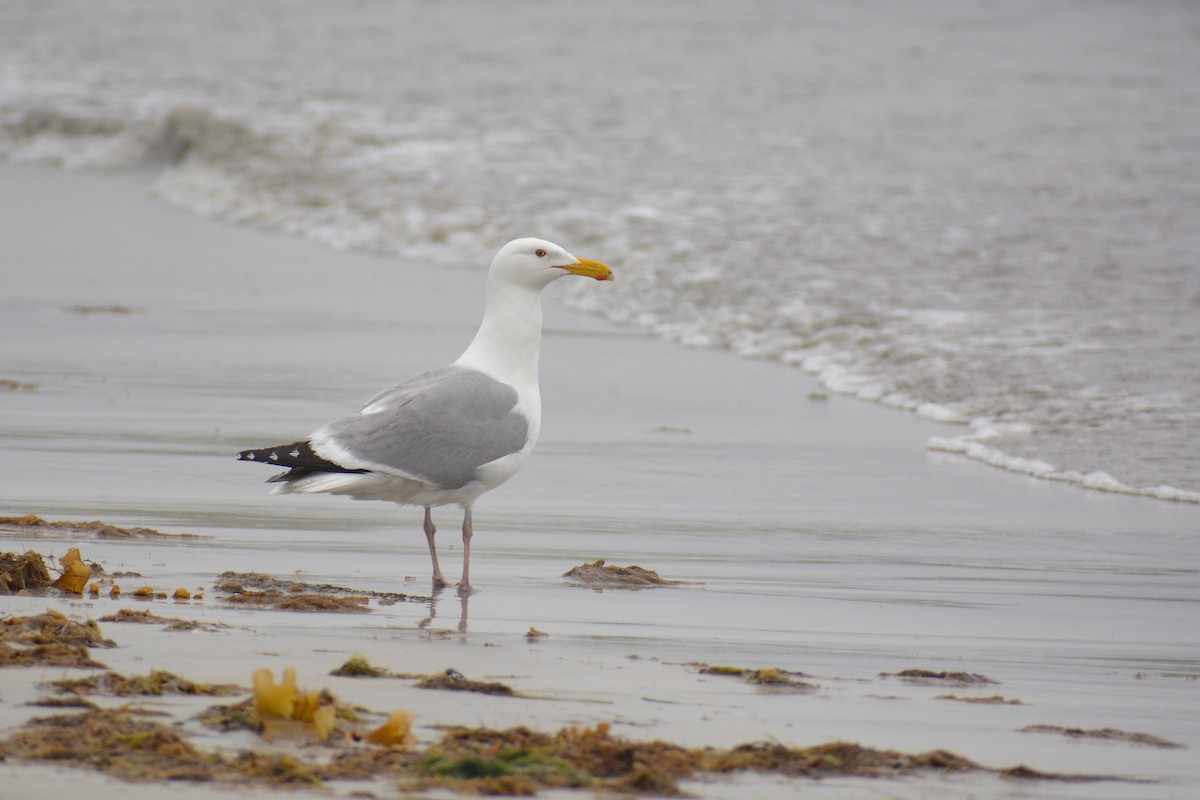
(509, 339)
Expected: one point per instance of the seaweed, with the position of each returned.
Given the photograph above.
(510, 771)
(49, 639)
(720, 669)
(236, 583)
(104, 309)
(396, 732)
(274, 598)
(23, 573)
(75, 573)
(455, 681)
(31, 523)
(285, 710)
(993, 700)
(600, 575)
(777, 679)
(357, 666)
(929, 677)
(26, 573)
(258, 589)
(235, 717)
(770, 678)
(117, 741)
(513, 761)
(156, 682)
(147, 617)
(1107, 734)
(72, 701)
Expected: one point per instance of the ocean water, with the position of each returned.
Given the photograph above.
(986, 213)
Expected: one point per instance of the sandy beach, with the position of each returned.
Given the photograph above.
(813, 533)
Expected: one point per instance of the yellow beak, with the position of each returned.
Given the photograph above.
(590, 269)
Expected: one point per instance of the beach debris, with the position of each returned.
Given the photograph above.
(75, 574)
(1187, 676)
(929, 677)
(993, 700)
(156, 683)
(396, 732)
(771, 678)
(9, 385)
(357, 666)
(598, 574)
(273, 598)
(125, 743)
(120, 742)
(257, 580)
(285, 710)
(147, 617)
(71, 701)
(258, 589)
(51, 640)
(534, 635)
(282, 710)
(522, 761)
(23, 572)
(455, 681)
(778, 679)
(236, 717)
(182, 594)
(33, 524)
(483, 760)
(104, 309)
(1106, 734)
(721, 669)
(509, 771)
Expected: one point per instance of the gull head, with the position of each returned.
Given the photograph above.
(536, 263)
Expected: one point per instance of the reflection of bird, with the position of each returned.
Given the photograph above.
(450, 435)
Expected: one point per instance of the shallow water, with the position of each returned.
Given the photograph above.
(983, 213)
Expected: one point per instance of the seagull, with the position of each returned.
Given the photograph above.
(447, 436)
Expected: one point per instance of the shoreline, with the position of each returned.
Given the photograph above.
(814, 535)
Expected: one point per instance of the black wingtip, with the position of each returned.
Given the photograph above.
(296, 454)
(299, 456)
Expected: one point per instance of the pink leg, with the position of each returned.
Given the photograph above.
(430, 530)
(464, 585)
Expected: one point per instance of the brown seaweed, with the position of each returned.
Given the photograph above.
(49, 639)
(600, 575)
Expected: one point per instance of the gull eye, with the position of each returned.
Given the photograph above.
(540, 253)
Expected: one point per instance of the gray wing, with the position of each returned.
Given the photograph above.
(439, 427)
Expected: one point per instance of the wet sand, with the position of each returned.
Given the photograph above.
(814, 534)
